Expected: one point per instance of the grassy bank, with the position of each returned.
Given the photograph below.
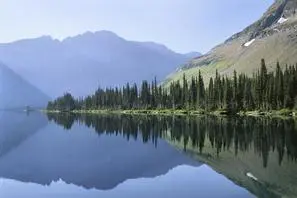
(272, 113)
(256, 113)
(135, 112)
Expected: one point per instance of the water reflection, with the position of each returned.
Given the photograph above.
(242, 134)
(256, 153)
(80, 156)
(17, 127)
(181, 181)
(124, 155)
(150, 128)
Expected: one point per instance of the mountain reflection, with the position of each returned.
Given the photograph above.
(238, 134)
(256, 153)
(17, 127)
(35, 151)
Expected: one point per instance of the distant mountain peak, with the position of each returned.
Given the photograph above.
(191, 55)
(81, 63)
(106, 33)
(101, 33)
(163, 48)
(89, 35)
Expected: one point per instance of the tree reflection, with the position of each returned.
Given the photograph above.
(223, 133)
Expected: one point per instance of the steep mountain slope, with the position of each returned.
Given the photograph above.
(15, 92)
(80, 64)
(273, 37)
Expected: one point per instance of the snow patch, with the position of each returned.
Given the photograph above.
(282, 20)
(249, 43)
(250, 175)
(178, 69)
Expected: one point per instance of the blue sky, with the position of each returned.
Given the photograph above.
(182, 25)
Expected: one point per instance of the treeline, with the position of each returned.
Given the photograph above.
(262, 91)
(262, 135)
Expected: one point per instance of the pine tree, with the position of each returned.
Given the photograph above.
(201, 92)
(210, 95)
(193, 93)
(235, 90)
(185, 93)
(263, 84)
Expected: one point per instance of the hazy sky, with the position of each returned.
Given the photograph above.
(182, 25)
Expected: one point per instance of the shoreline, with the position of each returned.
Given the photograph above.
(285, 113)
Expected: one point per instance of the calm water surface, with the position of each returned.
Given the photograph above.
(146, 156)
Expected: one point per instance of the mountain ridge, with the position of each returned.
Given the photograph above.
(81, 63)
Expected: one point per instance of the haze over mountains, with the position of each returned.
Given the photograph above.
(273, 37)
(15, 92)
(80, 64)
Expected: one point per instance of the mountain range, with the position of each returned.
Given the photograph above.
(273, 37)
(82, 63)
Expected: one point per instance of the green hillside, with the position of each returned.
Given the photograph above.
(273, 37)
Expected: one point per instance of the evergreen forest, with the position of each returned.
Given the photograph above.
(264, 90)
